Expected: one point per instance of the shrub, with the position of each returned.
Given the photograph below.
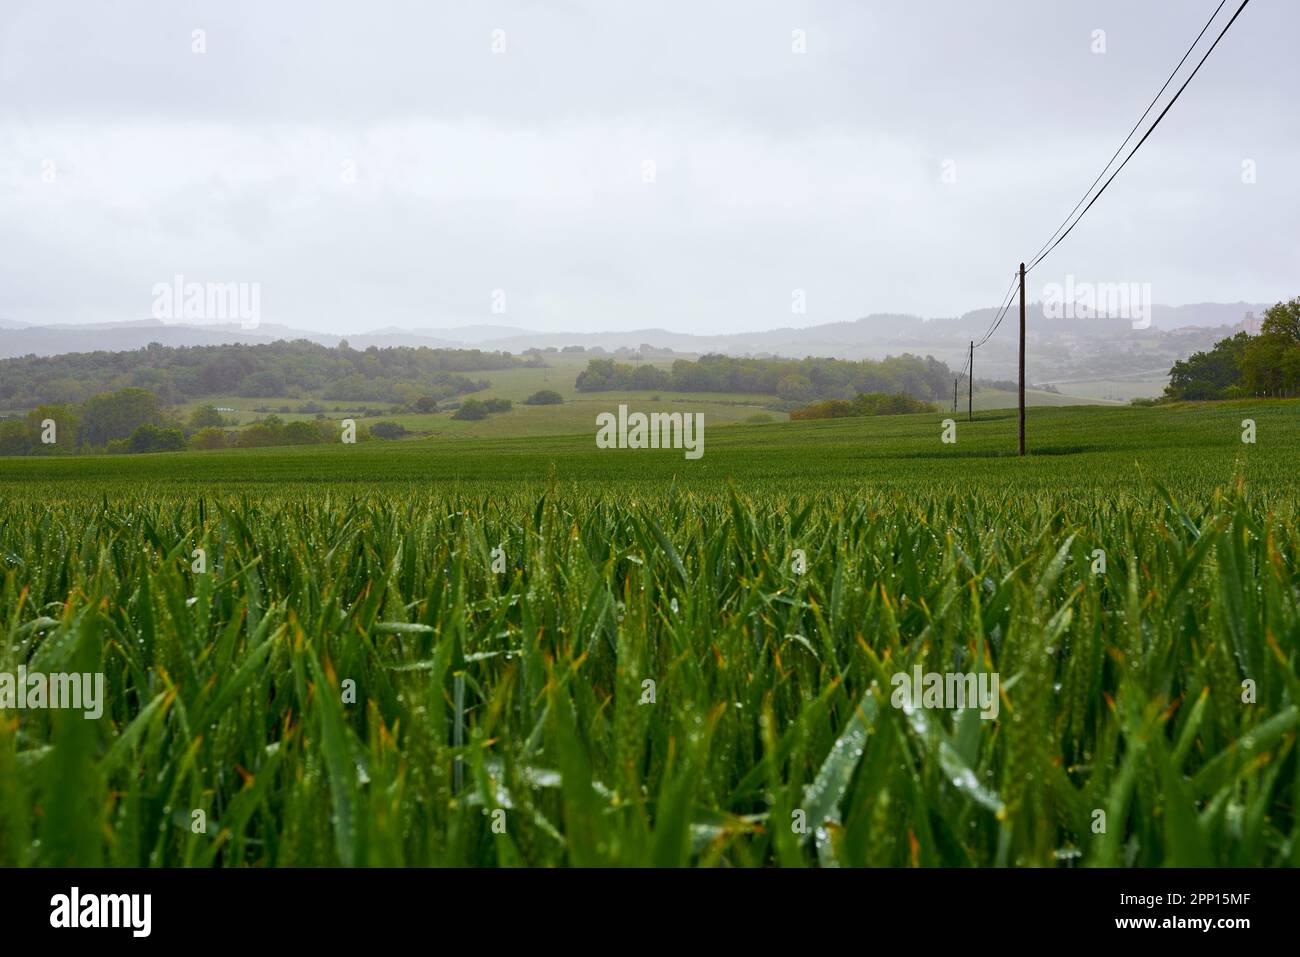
(498, 405)
(208, 438)
(301, 433)
(472, 410)
(388, 430)
(545, 397)
(864, 403)
(150, 438)
(259, 436)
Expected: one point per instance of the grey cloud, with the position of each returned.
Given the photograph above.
(524, 171)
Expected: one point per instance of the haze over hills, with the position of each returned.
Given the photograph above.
(872, 336)
(1094, 358)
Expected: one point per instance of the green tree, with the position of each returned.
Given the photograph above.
(262, 385)
(648, 377)
(599, 376)
(1208, 375)
(151, 438)
(1269, 365)
(795, 388)
(116, 415)
(205, 416)
(66, 428)
(1283, 319)
(259, 435)
(15, 437)
(301, 433)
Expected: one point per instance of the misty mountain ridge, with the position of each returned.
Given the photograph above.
(874, 335)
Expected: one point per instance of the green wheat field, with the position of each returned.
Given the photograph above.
(650, 676)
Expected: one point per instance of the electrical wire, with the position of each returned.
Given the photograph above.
(1149, 131)
(1121, 146)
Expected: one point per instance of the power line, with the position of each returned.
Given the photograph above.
(1144, 136)
(997, 320)
(1121, 146)
(993, 327)
(1005, 300)
(1058, 236)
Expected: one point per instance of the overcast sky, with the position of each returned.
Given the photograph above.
(620, 165)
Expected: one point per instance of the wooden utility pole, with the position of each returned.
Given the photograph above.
(970, 386)
(954, 394)
(1022, 358)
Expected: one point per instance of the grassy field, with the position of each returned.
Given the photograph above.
(986, 399)
(1117, 390)
(575, 415)
(668, 662)
(578, 413)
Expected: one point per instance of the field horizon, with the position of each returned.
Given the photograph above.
(1120, 446)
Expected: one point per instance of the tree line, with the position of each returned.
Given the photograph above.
(1243, 365)
(133, 420)
(864, 403)
(793, 381)
(298, 369)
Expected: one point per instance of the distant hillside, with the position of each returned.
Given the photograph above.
(297, 369)
(23, 340)
(870, 337)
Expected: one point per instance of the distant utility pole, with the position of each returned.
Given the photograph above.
(970, 386)
(954, 394)
(1022, 358)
